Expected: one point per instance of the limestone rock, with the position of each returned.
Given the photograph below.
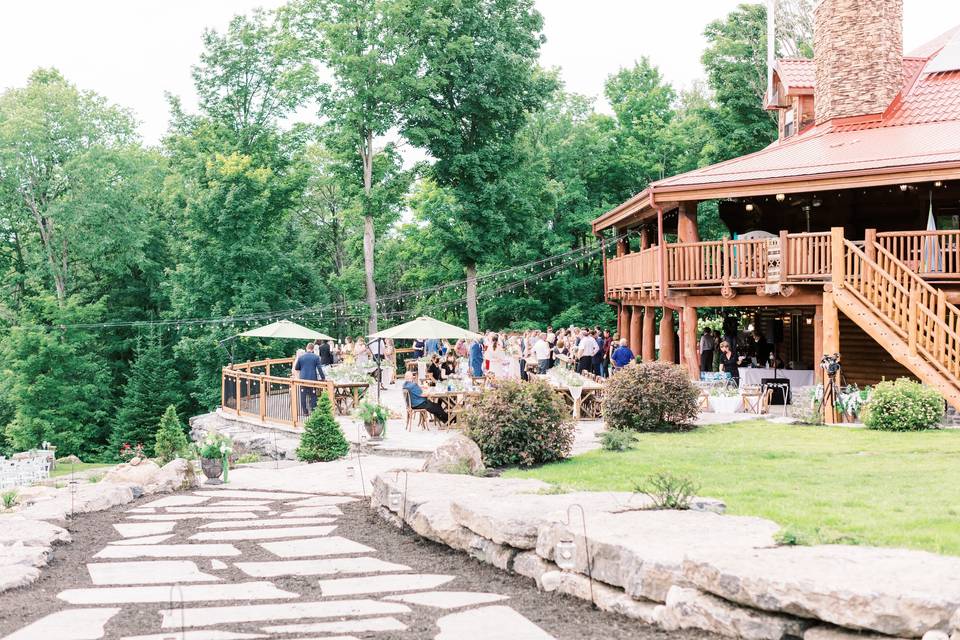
(19, 553)
(936, 635)
(457, 452)
(708, 504)
(693, 609)
(955, 625)
(35, 493)
(71, 459)
(143, 473)
(499, 555)
(606, 598)
(892, 591)
(531, 565)
(517, 521)
(176, 475)
(642, 551)
(17, 575)
(32, 533)
(826, 632)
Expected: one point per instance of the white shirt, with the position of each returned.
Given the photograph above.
(588, 346)
(542, 350)
(551, 337)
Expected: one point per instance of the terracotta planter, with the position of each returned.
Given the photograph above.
(213, 469)
(375, 429)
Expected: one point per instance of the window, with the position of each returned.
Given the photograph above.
(788, 128)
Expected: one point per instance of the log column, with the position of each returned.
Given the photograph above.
(687, 230)
(649, 345)
(635, 338)
(623, 320)
(831, 344)
(817, 343)
(668, 352)
(688, 341)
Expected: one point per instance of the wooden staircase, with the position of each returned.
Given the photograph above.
(907, 316)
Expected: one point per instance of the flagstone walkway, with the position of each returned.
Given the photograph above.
(235, 564)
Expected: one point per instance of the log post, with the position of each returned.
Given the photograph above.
(687, 230)
(623, 320)
(688, 325)
(635, 339)
(238, 393)
(914, 318)
(837, 257)
(649, 344)
(223, 388)
(870, 244)
(668, 352)
(818, 343)
(831, 344)
(263, 397)
(294, 402)
(784, 258)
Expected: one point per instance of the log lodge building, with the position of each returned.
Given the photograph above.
(833, 246)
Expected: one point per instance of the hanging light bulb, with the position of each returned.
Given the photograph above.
(904, 187)
(781, 197)
(749, 206)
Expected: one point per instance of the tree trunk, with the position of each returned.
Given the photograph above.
(368, 231)
(473, 322)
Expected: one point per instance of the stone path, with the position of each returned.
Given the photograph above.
(226, 563)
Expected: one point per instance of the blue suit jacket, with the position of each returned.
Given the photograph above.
(309, 367)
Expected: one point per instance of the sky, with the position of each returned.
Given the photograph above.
(135, 51)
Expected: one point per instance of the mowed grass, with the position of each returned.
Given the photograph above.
(66, 469)
(821, 484)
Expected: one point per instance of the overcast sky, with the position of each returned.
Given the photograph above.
(132, 51)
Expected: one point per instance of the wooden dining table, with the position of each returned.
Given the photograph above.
(454, 402)
(347, 395)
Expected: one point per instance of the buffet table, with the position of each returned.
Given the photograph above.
(797, 377)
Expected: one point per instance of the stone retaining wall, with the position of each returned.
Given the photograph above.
(680, 569)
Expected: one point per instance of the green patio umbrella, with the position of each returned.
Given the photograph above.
(285, 329)
(424, 327)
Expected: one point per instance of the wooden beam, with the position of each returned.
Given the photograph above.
(818, 343)
(836, 256)
(746, 300)
(668, 351)
(687, 230)
(649, 345)
(688, 341)
(636, 339)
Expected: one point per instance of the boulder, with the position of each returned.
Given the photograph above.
(936, 635)
(642, 551)
(826, 632)
(530, 565)
(32, 533)
(17, 575)
(81, 498)
(693, 609)
(35, 493)
(499, 555)
(457, 454)
(516, 522)
(176, 475)
(19, 553)
(71, 459)
(143, 473)
(606, 598)
(891, 591)
(955, 626)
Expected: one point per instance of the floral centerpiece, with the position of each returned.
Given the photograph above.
(374, 418)
(214, 451)
(350, 373)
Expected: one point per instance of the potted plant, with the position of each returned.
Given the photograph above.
(374, 418)
(214, 452)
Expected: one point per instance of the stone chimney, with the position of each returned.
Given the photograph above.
(858, 49)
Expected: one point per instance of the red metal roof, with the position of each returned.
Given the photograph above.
(920, 130)
(797, 73)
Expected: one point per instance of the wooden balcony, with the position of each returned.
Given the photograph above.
(767, 266)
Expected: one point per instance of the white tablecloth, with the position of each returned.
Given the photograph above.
(797, 377)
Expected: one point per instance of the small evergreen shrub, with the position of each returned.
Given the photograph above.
(520, 423)
(9, 498)
(668, 491)
(617, 440)
(903, 405)
(322, 439)
(652, 396)
(171, 441)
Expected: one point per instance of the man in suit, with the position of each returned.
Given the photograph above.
(308, 365)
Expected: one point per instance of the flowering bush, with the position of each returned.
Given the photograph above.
(653, 396)
(519, 423)
(903, 405)
(215, 446)
(128, 453)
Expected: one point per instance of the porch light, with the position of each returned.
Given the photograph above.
(565, 553)
(938, 184)
(749, 206)
(903, 187)
(781, 197)
(809, 320)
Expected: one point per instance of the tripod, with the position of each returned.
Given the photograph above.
(832, 383)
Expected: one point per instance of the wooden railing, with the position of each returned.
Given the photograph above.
(746, 261)
(932, 254)
(806, 257)
(640, 270)
(249, 389)
(917, 312)
(695, 264)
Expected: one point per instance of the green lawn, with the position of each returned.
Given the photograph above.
(824, 484)
(66, 469)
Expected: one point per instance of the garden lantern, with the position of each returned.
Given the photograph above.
(565, 553)
(395, 497)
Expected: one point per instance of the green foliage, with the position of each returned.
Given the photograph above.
(215, 446)
(668, 491)
(170, 441)
(372, 412)
(617, 440)
(520, 424)
(322, 439)
(903, 405)
(153, 385)
(9, 498)
(652, 396)
(248, 458)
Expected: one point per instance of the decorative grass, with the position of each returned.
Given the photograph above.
(821, 484)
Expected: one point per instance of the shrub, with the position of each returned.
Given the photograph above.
(9, 499)
(171, 441)
(903, 405)
(668, 491)
(519, 423)
(617, 440)
(248, 458)
(322, 439)
(653, 396)
(215, 446)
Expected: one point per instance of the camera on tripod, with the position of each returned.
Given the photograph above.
(830, 363)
